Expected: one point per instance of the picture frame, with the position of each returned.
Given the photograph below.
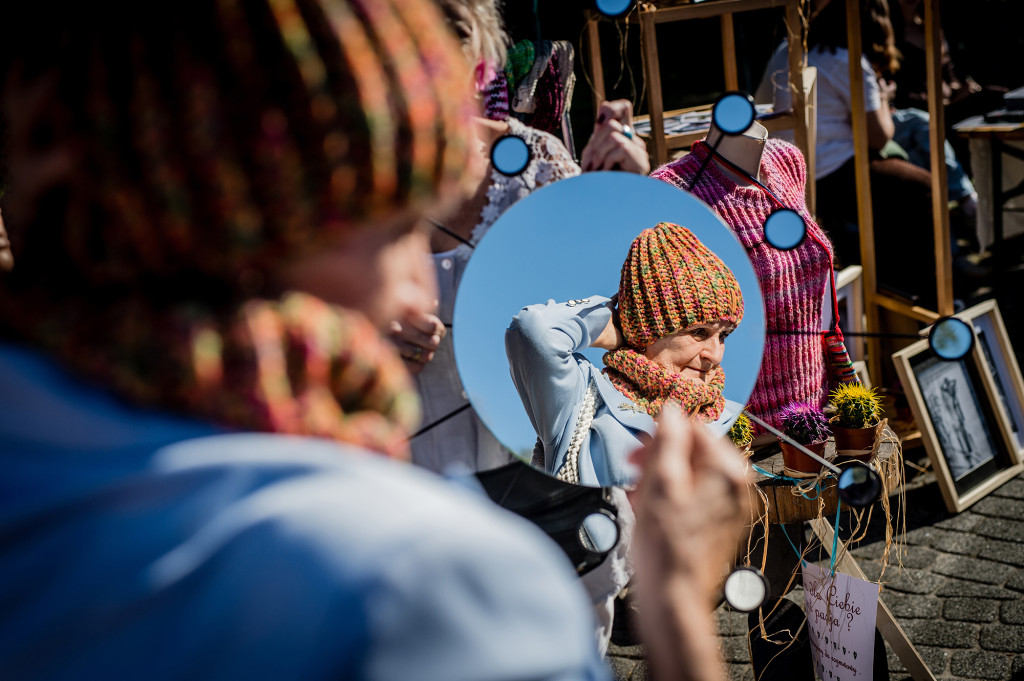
(850, 303)
(964, 427)
(1001, 362)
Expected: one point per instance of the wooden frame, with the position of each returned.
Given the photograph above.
(650, 16)
(1001, 363)
(964, 429)
(850, 301)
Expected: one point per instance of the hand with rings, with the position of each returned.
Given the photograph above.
(417, 337)
(614, 144)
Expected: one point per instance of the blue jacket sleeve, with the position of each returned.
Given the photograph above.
(541, 344)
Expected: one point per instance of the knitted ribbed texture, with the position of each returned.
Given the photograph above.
(792, 282)
(650, 385)
(671, 280)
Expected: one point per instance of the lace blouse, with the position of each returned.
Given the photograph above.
(463, 437)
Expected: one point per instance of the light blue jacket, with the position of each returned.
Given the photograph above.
(138, 545)
(543, 344)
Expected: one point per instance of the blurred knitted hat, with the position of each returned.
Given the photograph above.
(671, 280)
(165, 158)
(217, 138)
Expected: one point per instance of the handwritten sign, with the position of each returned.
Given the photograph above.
(841, 618)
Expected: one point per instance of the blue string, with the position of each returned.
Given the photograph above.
(818, 490)
(799, 555)
(835, 539)
(773, 476)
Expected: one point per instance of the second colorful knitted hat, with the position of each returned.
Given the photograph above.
(671, 280)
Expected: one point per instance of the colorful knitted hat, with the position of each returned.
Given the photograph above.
(671, 280)
(214, 141)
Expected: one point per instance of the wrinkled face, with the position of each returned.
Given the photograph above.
(692, 352)
(384, 275)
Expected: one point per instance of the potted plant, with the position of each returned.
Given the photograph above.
(856, 420)
(742, 434)
(806, 424)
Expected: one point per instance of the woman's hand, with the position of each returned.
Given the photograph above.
(611, 337)
(691, 508)
(417, 337)
(610, 149)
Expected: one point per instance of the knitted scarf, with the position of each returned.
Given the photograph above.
(650, 385)
(792, 282)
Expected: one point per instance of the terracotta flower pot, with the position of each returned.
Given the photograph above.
(854, 443)
(799, 465)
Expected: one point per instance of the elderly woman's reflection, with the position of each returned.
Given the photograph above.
(676, 304)
(665, 335)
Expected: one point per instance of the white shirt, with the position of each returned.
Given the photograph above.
(835, 130)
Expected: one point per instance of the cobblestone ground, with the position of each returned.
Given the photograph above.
(959, 596)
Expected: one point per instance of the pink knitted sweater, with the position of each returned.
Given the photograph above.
(793, 282)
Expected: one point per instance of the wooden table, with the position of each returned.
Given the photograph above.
(785, 507)
(997, 135)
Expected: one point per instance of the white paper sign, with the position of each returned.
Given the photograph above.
(841, 619)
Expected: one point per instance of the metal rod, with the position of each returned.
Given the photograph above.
(826, 464)
(846, 334)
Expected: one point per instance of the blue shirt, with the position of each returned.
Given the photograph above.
(139, 545)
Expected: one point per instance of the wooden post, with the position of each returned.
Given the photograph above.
(794, 38)
(652, 71)
(937, 139)
(594, 52)
(732, 77)
(862, 173)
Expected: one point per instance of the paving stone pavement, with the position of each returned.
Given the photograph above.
(959, 595)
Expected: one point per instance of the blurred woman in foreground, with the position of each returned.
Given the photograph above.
(212, 205)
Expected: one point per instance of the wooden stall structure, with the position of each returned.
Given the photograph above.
(800, 118)
(874, 299)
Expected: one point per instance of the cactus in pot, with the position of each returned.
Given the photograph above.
(742, 433)
(807, 425)
(857, 409)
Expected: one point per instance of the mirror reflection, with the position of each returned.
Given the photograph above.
(859, 485)
(555, 260)
(745, 589)
(785, 229)
(951, 338)
(613, 8)
(598, 533)
(733, 113)
(510, 155)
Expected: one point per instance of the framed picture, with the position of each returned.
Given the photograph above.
(862, 373)
(1001, 363)
(850, 301)
(956, 406)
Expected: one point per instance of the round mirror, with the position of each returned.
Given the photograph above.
(785, 229)
(859, 485)
(613, 8)
(563, 248)
(951, 338)
(598, 533)
(733, 112)
(745, 589)
(510, 155)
